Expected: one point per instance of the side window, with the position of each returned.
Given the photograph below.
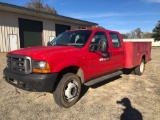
(98, 36)
(115, 40)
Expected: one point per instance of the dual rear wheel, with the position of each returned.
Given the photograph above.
(140, 69)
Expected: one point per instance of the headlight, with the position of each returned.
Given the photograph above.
(40, 67)
(39, 64)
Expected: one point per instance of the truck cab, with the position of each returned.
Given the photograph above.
(74, 58)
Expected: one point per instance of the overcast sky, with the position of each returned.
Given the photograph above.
(120, 15)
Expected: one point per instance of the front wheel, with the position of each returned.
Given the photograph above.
(140, 69)
(68, 90)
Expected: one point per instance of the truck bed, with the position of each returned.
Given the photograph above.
(135, 50)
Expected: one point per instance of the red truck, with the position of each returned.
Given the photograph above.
(75, 58)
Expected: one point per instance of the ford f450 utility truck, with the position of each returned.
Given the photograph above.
(75, 58)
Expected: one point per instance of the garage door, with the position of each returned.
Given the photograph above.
(30, 32)
(61, 28)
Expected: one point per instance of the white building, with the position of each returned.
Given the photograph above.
(23, 27)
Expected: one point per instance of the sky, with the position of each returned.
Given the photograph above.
(120, 15)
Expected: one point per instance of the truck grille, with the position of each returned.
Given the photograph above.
(20, 64)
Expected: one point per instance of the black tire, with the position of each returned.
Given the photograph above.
(140, 69)
(68, 90)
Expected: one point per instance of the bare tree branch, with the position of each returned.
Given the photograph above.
(38, 5)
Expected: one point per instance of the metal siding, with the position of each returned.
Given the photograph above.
(0, 32)
(48, 29)
(3, 40)
(8, 25)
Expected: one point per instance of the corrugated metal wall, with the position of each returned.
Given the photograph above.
(8, 25)
(48, 30)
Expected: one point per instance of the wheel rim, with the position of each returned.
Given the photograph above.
(142, 67)
(71, 90)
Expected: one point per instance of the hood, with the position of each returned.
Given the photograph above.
(43, 51)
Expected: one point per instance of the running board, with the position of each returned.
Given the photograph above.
(103, 78)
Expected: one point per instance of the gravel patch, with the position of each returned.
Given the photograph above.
(142, 94)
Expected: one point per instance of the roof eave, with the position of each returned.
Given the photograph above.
(36, 13)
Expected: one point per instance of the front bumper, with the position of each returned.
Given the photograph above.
(31, 82)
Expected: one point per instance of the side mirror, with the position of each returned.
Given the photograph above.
(103, 46)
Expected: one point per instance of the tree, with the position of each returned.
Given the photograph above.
(137, 33)
(147, 35)
(38, 5)
(124, 36)
(156, 32)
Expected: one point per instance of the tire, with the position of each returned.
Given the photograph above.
(140, 69)
(68, 90)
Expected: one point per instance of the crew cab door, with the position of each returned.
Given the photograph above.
(116, 51)
(98, 63)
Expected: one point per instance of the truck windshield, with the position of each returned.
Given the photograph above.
(76, 38)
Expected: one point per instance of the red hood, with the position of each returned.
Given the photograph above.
(43, 51)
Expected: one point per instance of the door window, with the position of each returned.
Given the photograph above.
(97, 39)
(115, 40)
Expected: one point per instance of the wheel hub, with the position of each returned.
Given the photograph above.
(142, 67)
(70, 91)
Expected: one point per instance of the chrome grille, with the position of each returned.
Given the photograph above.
(20, 64)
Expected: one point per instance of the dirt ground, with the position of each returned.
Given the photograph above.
(140, 94)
